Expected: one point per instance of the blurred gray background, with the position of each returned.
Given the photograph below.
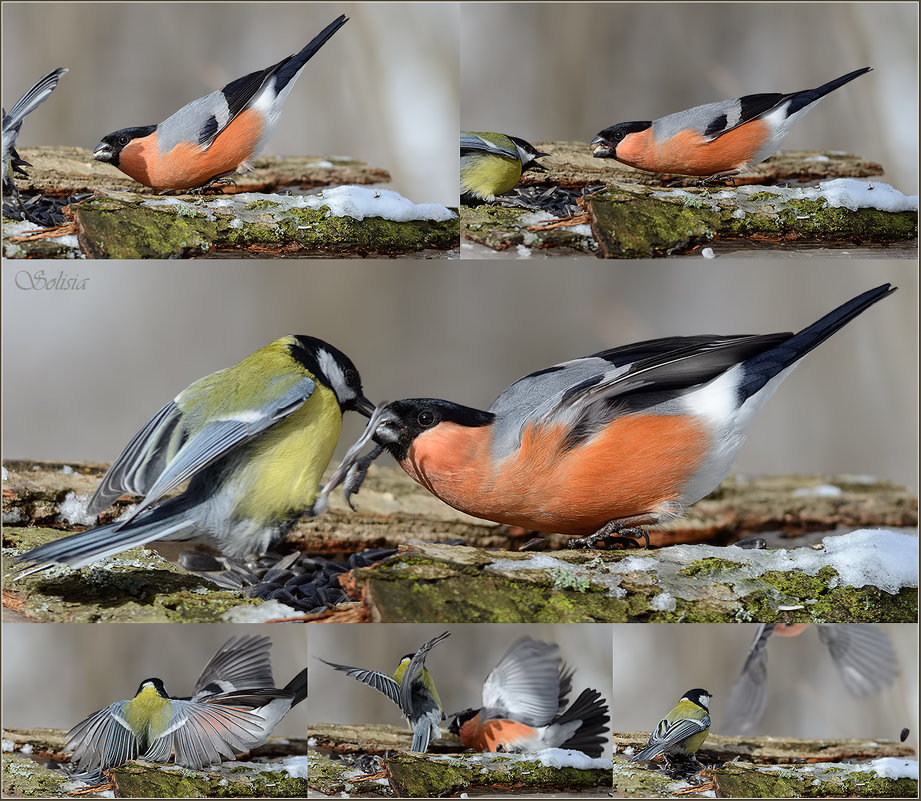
(555, 71)
(384, 89)
(458, 665)
(84, 370)
(654, 665)
(56, 674)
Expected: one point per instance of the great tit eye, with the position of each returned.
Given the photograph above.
(426, 419)
(351, 376)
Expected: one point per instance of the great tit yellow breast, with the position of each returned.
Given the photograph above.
(148, 714)
(286, 463)
(486, 175)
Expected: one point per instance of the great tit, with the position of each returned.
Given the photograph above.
(411, 688)
(233, 708)
(252, 440)
(862, 653)
(492, 163)
(524, 706)
(682, 731)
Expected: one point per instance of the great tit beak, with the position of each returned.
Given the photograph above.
(363, 406)
(104, 152)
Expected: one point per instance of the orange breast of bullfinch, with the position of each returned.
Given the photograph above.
(187, 165)
(493, 734)
(636, 465)
(689, 152)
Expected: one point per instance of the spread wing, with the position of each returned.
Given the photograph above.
(103, 740)
(863, 655)
(241, 663)
(379, 681)
(192, 432)
(414, 673)
(205, 733)
(525, 684)
(748, 696)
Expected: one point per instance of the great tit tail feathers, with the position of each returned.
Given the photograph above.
(32, 99)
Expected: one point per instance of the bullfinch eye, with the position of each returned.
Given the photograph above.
(426, 419)
(123, 140)
(618, 135)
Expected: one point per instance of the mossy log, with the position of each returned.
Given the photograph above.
(429, 581)
(641, 215)
(125, 220)
(28, 771)
(769, 767)
(437, 773)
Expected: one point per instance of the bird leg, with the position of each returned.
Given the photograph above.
(212, 186)
(726, 178)
(612, 534)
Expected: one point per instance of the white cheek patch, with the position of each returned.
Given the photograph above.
(334, 374)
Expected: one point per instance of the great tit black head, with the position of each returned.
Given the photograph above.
(322, 359)
(699, 697)
(528, 154)
(156, 684)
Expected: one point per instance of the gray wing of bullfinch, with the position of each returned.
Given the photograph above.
(471, 143)
(379, 681)
(586, 394)
(32, 99)
(103, 740)
(525, 684)
(205, 733)
(242, 662)
(748, 696)
(409, 701)
(186, 436)
(863, 655)
(670, 735)
(712, 120)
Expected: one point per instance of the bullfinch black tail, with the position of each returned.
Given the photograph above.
(293, 65)
(760, 369)
(810, 96)
(298, 686)
(590, 737)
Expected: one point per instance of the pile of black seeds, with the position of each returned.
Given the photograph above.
(555, 200)
(309, 584)
(43, 210)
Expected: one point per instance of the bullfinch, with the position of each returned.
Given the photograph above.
(717, 140)
(252, 440)
(492, 163)
(412, 689)
(524, 706)
(682, 731)
(234, 707)
(603, 446)
(862, 653)
(215, 135)
(12, 123)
